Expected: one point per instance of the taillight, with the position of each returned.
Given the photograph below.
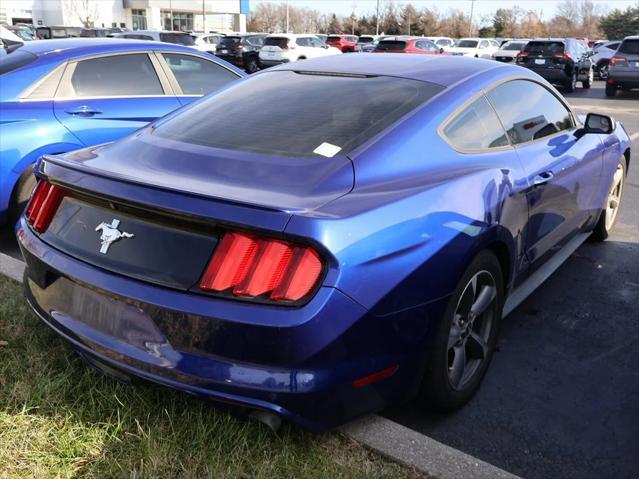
(521, 56)
(618, 62)
(43, 205)
(563, 56)
(250, 266)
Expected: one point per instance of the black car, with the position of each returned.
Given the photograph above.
(241, 50)
(624, 67)
(561, 61)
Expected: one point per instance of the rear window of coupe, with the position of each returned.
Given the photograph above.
(287, 113)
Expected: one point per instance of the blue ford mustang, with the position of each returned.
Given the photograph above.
(353, 241)
(61, 95)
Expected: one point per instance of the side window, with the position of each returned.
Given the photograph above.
(317, 43)
(303, 42)
(197, 76)
(484, 44)
(537, 113)
(476, 128)
(116, 75)
(613, 46)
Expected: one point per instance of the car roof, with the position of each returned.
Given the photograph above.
(443, 70)
(632, 37)
(81, 46)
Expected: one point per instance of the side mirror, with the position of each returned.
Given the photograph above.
(596, 123)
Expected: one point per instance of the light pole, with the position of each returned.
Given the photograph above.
(287, 17)
(470, 26)
(203, 17)
(377, 18)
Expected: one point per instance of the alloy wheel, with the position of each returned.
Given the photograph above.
(603, 71)
(614, 197)
(471, 328)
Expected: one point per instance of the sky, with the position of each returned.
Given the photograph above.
(482, 7)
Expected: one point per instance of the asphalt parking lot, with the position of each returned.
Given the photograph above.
(561, 398)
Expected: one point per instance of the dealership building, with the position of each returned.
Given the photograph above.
(184, 15)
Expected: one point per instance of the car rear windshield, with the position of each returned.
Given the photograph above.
(229, 42)
(288, 113)
(544, 48)
(177, 38)
(281, 42)
(386, 45)
(333, 38)
(467, 44)
(366, 39)
(514, 46)
(630, 46)
(15, 60)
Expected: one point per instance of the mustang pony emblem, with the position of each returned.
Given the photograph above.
(111, 234)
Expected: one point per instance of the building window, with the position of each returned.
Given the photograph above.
(139, 19)
(182, 22)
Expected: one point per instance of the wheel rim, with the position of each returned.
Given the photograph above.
(614, 197)
(603, 72)
(470, 329)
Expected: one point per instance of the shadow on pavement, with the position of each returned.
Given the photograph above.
(561, 398)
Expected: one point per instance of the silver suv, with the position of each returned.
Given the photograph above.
(601, 56)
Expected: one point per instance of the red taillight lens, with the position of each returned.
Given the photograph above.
(564, 56)
(249, 266)
(43, 205)
(618, 62)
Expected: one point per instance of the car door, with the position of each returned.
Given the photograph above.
(103, 98)
(193, 76)
(563, 171)
(305, 48)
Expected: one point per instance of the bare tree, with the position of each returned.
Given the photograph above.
(87, 11)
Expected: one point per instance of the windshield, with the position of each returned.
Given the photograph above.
(517, 46)
(15, 60)
(23, 33)
(298, 114)
(467, 44)
(177, 38)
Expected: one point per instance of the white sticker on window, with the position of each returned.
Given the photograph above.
(327, 150)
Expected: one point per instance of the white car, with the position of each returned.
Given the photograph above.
(443, 42)
(601, 56)
(287, 47)
(508, 52)
(207, 42)
(475, 47)
(179, 38)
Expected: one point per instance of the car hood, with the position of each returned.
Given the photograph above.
(287, 184)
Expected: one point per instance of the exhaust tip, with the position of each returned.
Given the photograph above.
(270, 420)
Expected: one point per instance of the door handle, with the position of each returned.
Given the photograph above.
(542, 178)
(83, 111)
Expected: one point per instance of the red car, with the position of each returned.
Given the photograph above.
(346, 43)
(408, 45)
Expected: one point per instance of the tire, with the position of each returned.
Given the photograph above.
(587, 83)
(611, 90)
(610, 212)
(301, 58)
(602, 70)
(252, 65)
(444, 388)
(21, 194)
(571, 86)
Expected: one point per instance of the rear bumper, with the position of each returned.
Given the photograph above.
(552, 75)
(628, 79)
(298, 363)
(272, 63)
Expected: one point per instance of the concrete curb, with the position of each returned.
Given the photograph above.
(11, 267)
(411, 448)
(382, 435)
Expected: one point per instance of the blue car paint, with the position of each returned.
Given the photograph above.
(29, 129)
(396, 244)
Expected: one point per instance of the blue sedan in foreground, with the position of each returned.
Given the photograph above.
(352, 242)
(61, 95)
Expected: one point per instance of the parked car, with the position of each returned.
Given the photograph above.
(508, 52)
(368, 43)
(47, 33)
(288, 47)
(474, 47)
(247, 264)
(61, 95)
(443, 42)
(624, 67)
(561, 61)
(408, 45)
(10, 41)
(601, 57)
(243, 50)
(322, 36)
(177, 38)
(207, 42)
(345, 43)
(99, 32)
(23, 32)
